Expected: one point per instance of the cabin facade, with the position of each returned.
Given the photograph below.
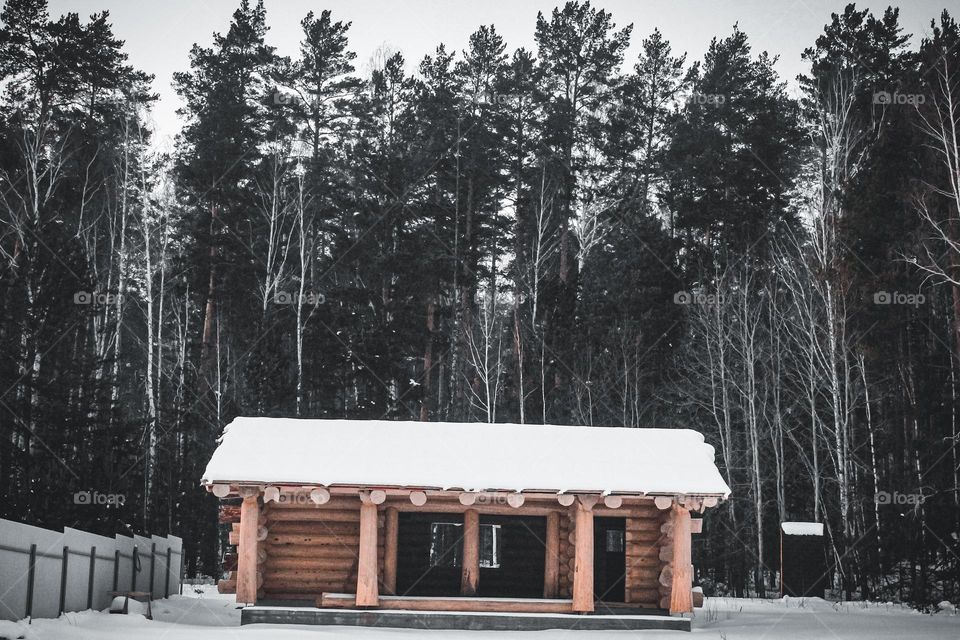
(414, 516)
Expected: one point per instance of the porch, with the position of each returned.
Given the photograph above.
(462, 613)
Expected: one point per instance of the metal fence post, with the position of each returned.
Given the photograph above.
(133, 569)
(116, 569)
(93, 567)
(63, 578)
(153, 562)
(166, 578)
(30, 577)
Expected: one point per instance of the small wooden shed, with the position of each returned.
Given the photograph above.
(462, 517)
(803, 565)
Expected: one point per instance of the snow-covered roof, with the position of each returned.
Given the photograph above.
(802, 528)
(472, 457)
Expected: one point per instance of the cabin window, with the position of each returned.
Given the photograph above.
(615, 540)
(446, 545)
(490, 546)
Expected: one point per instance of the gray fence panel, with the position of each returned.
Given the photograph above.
(48, 579)
(79, 573)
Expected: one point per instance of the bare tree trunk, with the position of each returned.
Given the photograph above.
(428, 361)
(873, 456)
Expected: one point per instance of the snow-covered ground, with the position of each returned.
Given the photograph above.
(209, 616)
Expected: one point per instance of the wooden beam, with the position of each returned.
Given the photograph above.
(367, 591)
(418, 498)
(551, 570)
(613, 502)
(499, 504)
(247, 550)
(681, 597)
(493, 605)
(583, 555)
(320, 495)
(470, 574)
(391, 527)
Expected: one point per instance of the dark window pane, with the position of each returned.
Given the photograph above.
(490, 546)
(614, 540)
(446, 544)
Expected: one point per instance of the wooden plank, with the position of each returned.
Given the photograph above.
(351, 540)
(314, 528)
(247, 551)
(367, 588)
(583, 554)
(642, 550)
(390, 533)
(646, 575)
(470, 567)
(304, 588)
(339, 601)
(313, 515)
(313, 551)
(454, 506)
(641, 594)
(308, 574)
(310, 564)
(642, 536)
(551, 568)
(681, 599)
(643, 561)
(303, 502)
(318, 582)
(643, 524)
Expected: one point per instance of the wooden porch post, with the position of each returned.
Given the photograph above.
(470, 576)
(367, 590)
(681, 589)
(583, 556)
(390, 531)
(247, 547)
(551, 568)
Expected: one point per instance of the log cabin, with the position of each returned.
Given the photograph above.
(429, 516)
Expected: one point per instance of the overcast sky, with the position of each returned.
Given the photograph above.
(159, 33)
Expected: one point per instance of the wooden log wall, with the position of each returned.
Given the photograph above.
(665, 581)
(567, 541)
(642, 550)
(643, 541)
(310, 549)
